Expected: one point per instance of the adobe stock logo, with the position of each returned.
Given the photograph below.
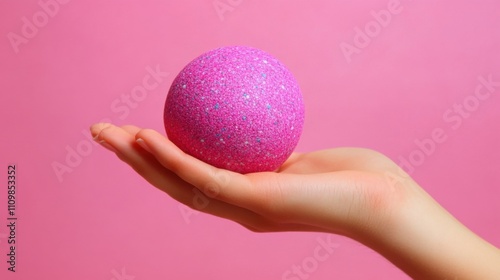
(39, 19)
(452, 119)
(372, 29)
(121, 107)
(225, 6)
(200, 199)
(122, 275)
(310, 264)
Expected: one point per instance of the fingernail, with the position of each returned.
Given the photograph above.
(107, 146)
(96, 129)
(143, 144)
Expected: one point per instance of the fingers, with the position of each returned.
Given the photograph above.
(225, 185)
(264, 201)
(281, 198)
(122, 140)
(266, 193)
(132, 129)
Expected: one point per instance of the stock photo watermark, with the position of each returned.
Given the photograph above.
(309, 265)
(372, 29)
(222, 7)
(453, 118)
(31, 26)
(200, 199)
(11, 220)
(121, 107)
(122, 275)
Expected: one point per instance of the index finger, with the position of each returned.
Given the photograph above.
(222, 184)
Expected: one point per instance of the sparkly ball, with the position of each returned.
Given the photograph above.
(236, 108)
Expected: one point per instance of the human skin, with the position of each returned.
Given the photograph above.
(358, 193)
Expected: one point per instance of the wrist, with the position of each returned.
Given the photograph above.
(427, 242)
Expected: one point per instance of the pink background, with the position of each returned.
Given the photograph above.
(102, 221)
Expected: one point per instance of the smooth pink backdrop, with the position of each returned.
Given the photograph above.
(99, 220)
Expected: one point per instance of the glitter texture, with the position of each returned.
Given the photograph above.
(236, 108)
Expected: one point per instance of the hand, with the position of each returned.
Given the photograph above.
(341, 190)
(355, 192)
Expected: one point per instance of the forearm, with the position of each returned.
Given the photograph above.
(426, 242)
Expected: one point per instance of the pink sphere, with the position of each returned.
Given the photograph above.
(236, 108)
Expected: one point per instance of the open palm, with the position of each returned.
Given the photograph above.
(338, 190)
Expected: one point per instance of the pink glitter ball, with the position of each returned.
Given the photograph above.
(236, 108)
